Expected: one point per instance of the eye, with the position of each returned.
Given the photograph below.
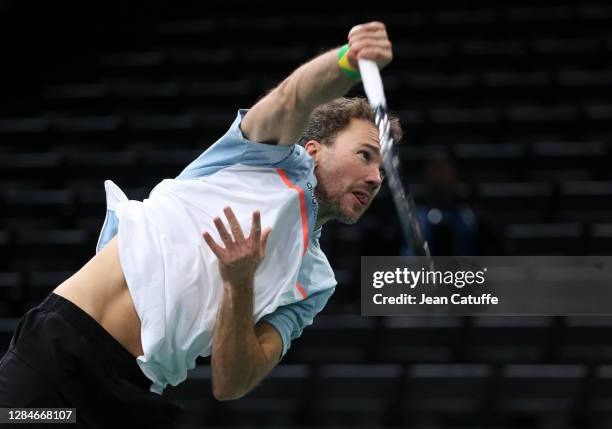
(366, 154)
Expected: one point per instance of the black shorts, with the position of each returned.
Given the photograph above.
(61, 357)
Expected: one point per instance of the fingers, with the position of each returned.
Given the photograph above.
(225, 236)
(234, 225)
(376, 54)
(216, 249)
(374, 51)
(358, 39)
(368, 27)
(378, 36)
(256, 240)
(237, 236)
(370, 41)
(264, 241)
(255, 233)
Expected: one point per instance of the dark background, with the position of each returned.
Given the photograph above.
(507, 112)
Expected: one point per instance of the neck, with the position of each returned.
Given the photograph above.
(324, 212)
(323, 216)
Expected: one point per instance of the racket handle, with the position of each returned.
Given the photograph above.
(372, 83)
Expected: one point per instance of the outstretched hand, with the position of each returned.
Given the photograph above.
(241, 256)
(371, 42)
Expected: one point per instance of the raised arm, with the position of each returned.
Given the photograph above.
(281, 116)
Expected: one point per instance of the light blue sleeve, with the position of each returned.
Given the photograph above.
(109, 229)
(114, 196)
(291, 319)
(234, 148)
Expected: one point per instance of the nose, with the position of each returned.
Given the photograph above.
(374, 178)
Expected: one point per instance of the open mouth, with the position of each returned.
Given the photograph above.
(362, 198)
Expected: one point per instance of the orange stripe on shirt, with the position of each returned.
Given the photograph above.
(300, 192)
(301, 289)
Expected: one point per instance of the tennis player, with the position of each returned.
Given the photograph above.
(224, 260)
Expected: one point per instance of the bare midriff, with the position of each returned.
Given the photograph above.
(99, 288)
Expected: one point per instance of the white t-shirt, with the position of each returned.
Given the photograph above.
(172, 274)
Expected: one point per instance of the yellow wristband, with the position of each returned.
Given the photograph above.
(345, 64)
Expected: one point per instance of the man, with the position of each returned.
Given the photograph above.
(171, 282)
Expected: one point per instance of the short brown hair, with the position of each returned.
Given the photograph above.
(327, 120)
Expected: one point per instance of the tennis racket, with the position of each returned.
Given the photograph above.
(404, 202)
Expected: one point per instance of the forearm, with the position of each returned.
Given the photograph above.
(316, 82)
(282, 115)
(238, 361)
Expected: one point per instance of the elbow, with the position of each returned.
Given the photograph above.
(224, 394)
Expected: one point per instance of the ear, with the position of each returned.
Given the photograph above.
(313, 148)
